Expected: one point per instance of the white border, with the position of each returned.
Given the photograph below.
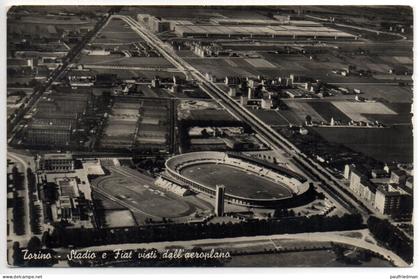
(340, 273)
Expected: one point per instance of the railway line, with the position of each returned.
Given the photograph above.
(329, 183)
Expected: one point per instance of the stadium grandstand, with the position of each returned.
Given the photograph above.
(249, 181)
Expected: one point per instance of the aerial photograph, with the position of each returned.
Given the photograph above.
(209, 136)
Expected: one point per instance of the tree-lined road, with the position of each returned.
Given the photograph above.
(278, 143)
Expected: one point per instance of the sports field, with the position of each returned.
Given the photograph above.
(137, 193)
(237, 182)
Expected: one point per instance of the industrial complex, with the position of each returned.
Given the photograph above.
(196, 127)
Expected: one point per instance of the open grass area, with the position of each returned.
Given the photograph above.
(220, 68)
(260, 63)
(327, 110)
(299, 110)
(271, 117)
(390, 93)
(132, 74)
(117, 31)
(321, 258)
(387, 144)
(356, 110)
(210, 115)
(119, 218)
(118, 60)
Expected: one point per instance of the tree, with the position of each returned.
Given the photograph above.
(46, 239)
(17, 254)
(339, 252)
(204, 133)
(34, 244)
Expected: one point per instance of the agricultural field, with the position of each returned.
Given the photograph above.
(121, 125)
(396, 140)
(117, 32)
(260, 63)
(345, 111)
(273, 65)
(389, 93)
(327, 110)
(48, 26)
(322, 65)
(341, 110)
(220, 68)
(152, 92)
(138, 74)
(118, 60)
(271, 117)
(300, 109)
(403, 114)
(356, 110)
(175, 12)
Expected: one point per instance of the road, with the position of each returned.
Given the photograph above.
(342, 237)
(358, 27)
(22, 164)
(135, 68)
(13, 127)
(276, 141)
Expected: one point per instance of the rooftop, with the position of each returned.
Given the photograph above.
(57, 156)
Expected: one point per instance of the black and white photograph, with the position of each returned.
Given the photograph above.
(162, 136)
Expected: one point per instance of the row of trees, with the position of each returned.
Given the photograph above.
(17, 179)
(18, 214)
(82, 237)
(392, 238)
(34, 247)
(34, 211)
(16, 202)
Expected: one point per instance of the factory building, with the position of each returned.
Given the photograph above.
(262, 31)
(56, 162)
(51, 133)
(155, 24)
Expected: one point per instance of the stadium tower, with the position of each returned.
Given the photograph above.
(220, 200)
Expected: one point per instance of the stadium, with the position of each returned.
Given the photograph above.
(248, 181)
